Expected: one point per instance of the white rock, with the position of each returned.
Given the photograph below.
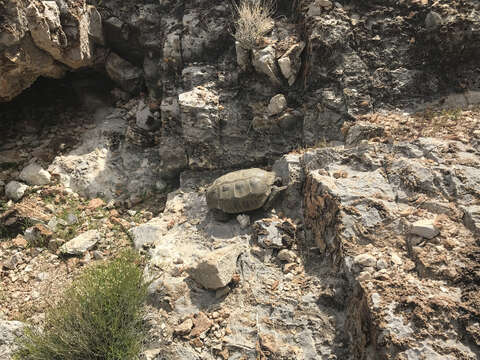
(15, 190)
(425, 229)
(9, 330)
(81, 243)
(277, 104)
(290, 62)
(216, 269)
(396, 259)
(34, 174)
(243, 220)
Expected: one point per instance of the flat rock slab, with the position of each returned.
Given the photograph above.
(81, 244)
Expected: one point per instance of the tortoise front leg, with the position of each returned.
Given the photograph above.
(276, 190)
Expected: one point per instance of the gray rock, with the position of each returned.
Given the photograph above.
(95, 29)
(146, 234)
(433, 20)
(126, 75)
(472, 218)
(216, 269)
(144, 117)
(424, 228)
(243, 220)
(9, 330)
(277, 104)
(274, 233)
(243, 56)
(15, 190)
(264, 61)
(82, 243)
(34, 174)
(363, 131)
(290, 62)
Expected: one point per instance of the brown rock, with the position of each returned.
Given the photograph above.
(95, 204)
(20, 242)
(201, 324)
(184, 328)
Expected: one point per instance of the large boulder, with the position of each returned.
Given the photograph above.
(34, 174)
(41, 38)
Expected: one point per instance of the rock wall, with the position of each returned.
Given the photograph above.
(399, 221)
(44, 38)
(330, 62)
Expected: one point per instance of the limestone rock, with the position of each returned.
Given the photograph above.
(146, 234)
(243, 56)
(42, 39)
(9, 330)
(144, 117)
(425, 229)
(472, 218)
(126, 75)
(243, 220)
(265, 62)
(365, 260)
(81, 243)
(34, 174)
(290, 62)
(363, 131)
(277, 104)
(15, 190)
(216, 269)
(95, 29)
(184, 328)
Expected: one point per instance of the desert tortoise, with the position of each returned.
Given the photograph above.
(243, 190)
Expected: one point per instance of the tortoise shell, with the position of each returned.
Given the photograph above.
(240, 191)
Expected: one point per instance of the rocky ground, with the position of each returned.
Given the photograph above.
(369, 253)
(367, 111)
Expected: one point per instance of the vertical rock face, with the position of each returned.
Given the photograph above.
(365, 208)
(43, 38)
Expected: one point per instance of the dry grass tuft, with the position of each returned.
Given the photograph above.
(253, 19)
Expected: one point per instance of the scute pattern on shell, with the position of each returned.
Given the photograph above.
(239, 191)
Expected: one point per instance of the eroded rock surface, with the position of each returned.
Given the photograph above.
(365, 207)
(44, 38)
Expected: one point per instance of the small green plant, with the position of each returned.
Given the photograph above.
(98, 318)
(253, 19)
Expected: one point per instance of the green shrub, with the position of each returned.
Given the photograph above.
(253, 19)
(98, 318)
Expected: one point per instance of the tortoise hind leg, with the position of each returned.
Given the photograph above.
(220, 215)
